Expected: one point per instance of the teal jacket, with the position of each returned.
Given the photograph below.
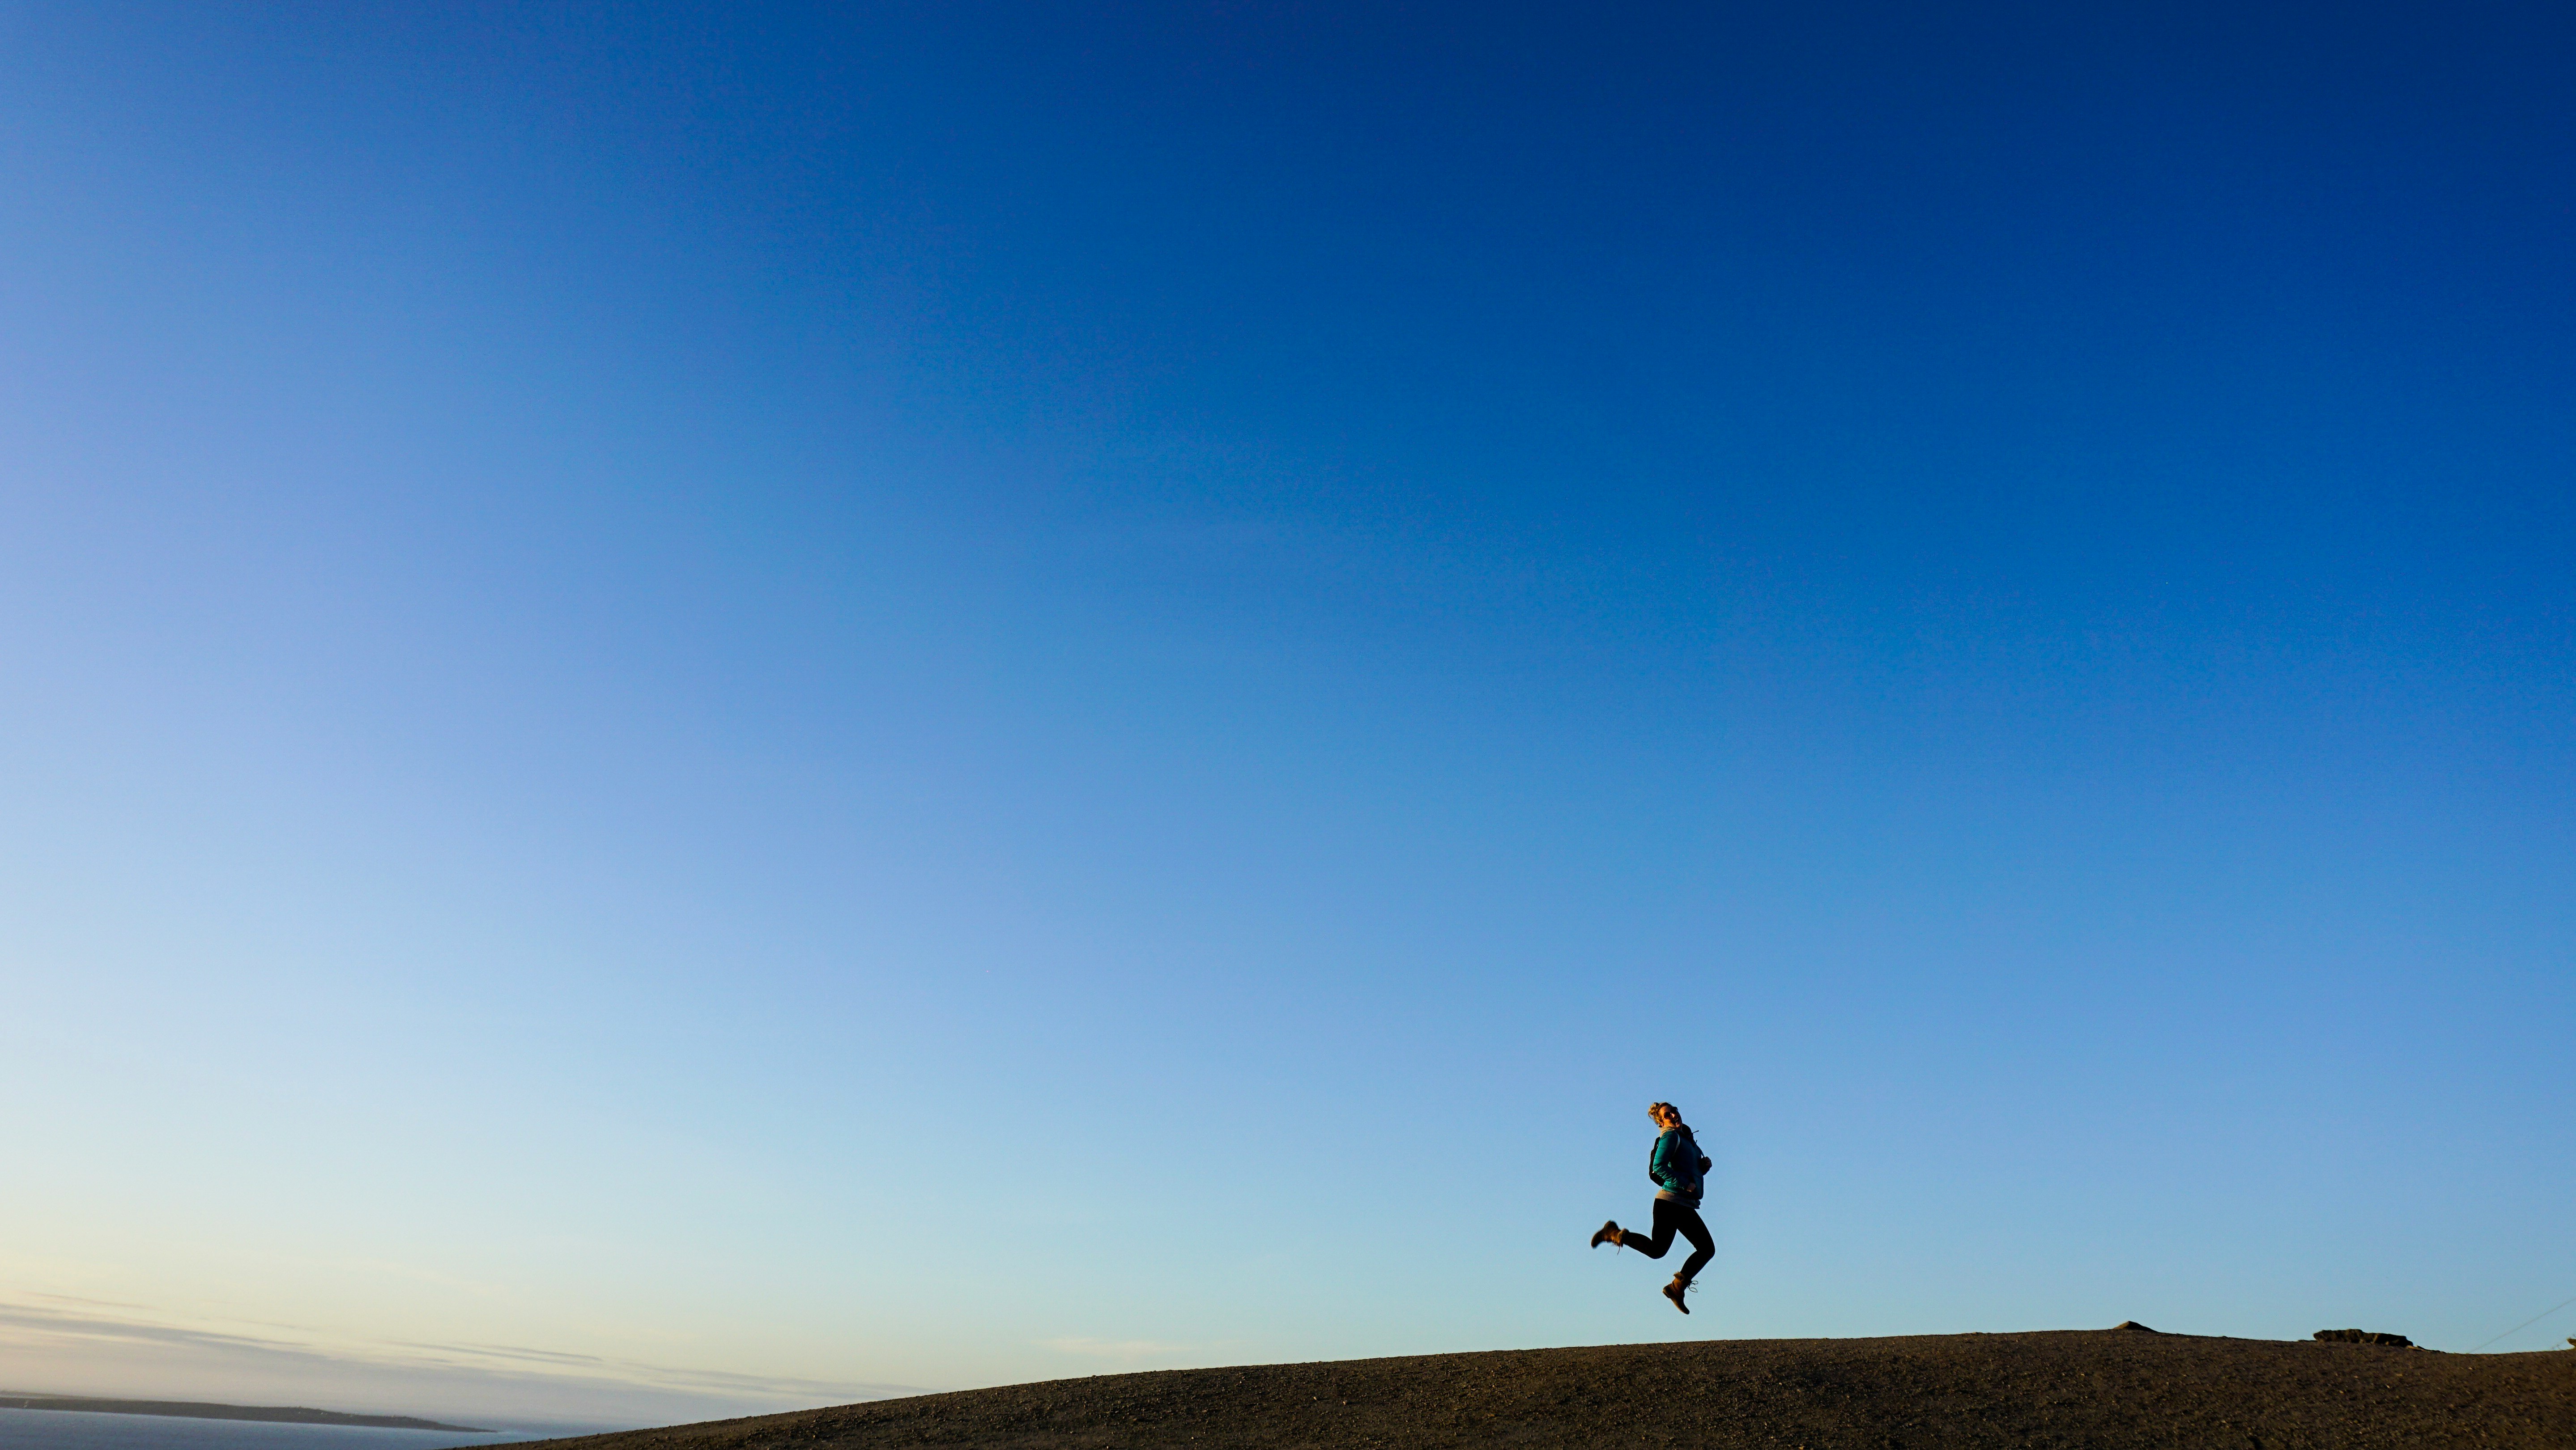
(1674, 1165)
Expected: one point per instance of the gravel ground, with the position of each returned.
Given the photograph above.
(2095, 1389)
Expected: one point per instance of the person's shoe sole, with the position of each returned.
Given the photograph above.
(1608, 1231)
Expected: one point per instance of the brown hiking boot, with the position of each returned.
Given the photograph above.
(1675, 1290)
(1609, 1234)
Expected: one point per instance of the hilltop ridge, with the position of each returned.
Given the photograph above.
(2056, 1390)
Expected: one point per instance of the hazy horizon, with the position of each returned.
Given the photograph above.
(85, 1430)
(718, 707)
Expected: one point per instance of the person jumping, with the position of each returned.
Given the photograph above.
(1679, 1173)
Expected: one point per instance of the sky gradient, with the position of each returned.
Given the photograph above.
(719, 707)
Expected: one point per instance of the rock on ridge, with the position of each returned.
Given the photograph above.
(2363, 1336)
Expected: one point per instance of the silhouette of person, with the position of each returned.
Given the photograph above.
(1679, 1173)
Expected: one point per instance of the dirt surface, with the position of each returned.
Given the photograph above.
(2095, 1389)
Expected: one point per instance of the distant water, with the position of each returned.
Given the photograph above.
(82, 1430)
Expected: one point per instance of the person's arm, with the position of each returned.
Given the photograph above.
(1659, 1164)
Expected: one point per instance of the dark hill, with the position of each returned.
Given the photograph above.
(2099, 1390)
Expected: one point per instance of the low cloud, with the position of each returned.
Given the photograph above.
(53, 1347)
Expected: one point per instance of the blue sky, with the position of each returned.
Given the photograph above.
(712, 708)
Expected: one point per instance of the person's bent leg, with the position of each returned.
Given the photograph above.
(1693, 1228)
(1665, 1223)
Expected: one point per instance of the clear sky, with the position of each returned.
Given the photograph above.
(713, 707)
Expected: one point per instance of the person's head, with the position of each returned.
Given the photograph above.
(1665, 1115)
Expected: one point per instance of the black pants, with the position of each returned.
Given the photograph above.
(1671, 1218)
